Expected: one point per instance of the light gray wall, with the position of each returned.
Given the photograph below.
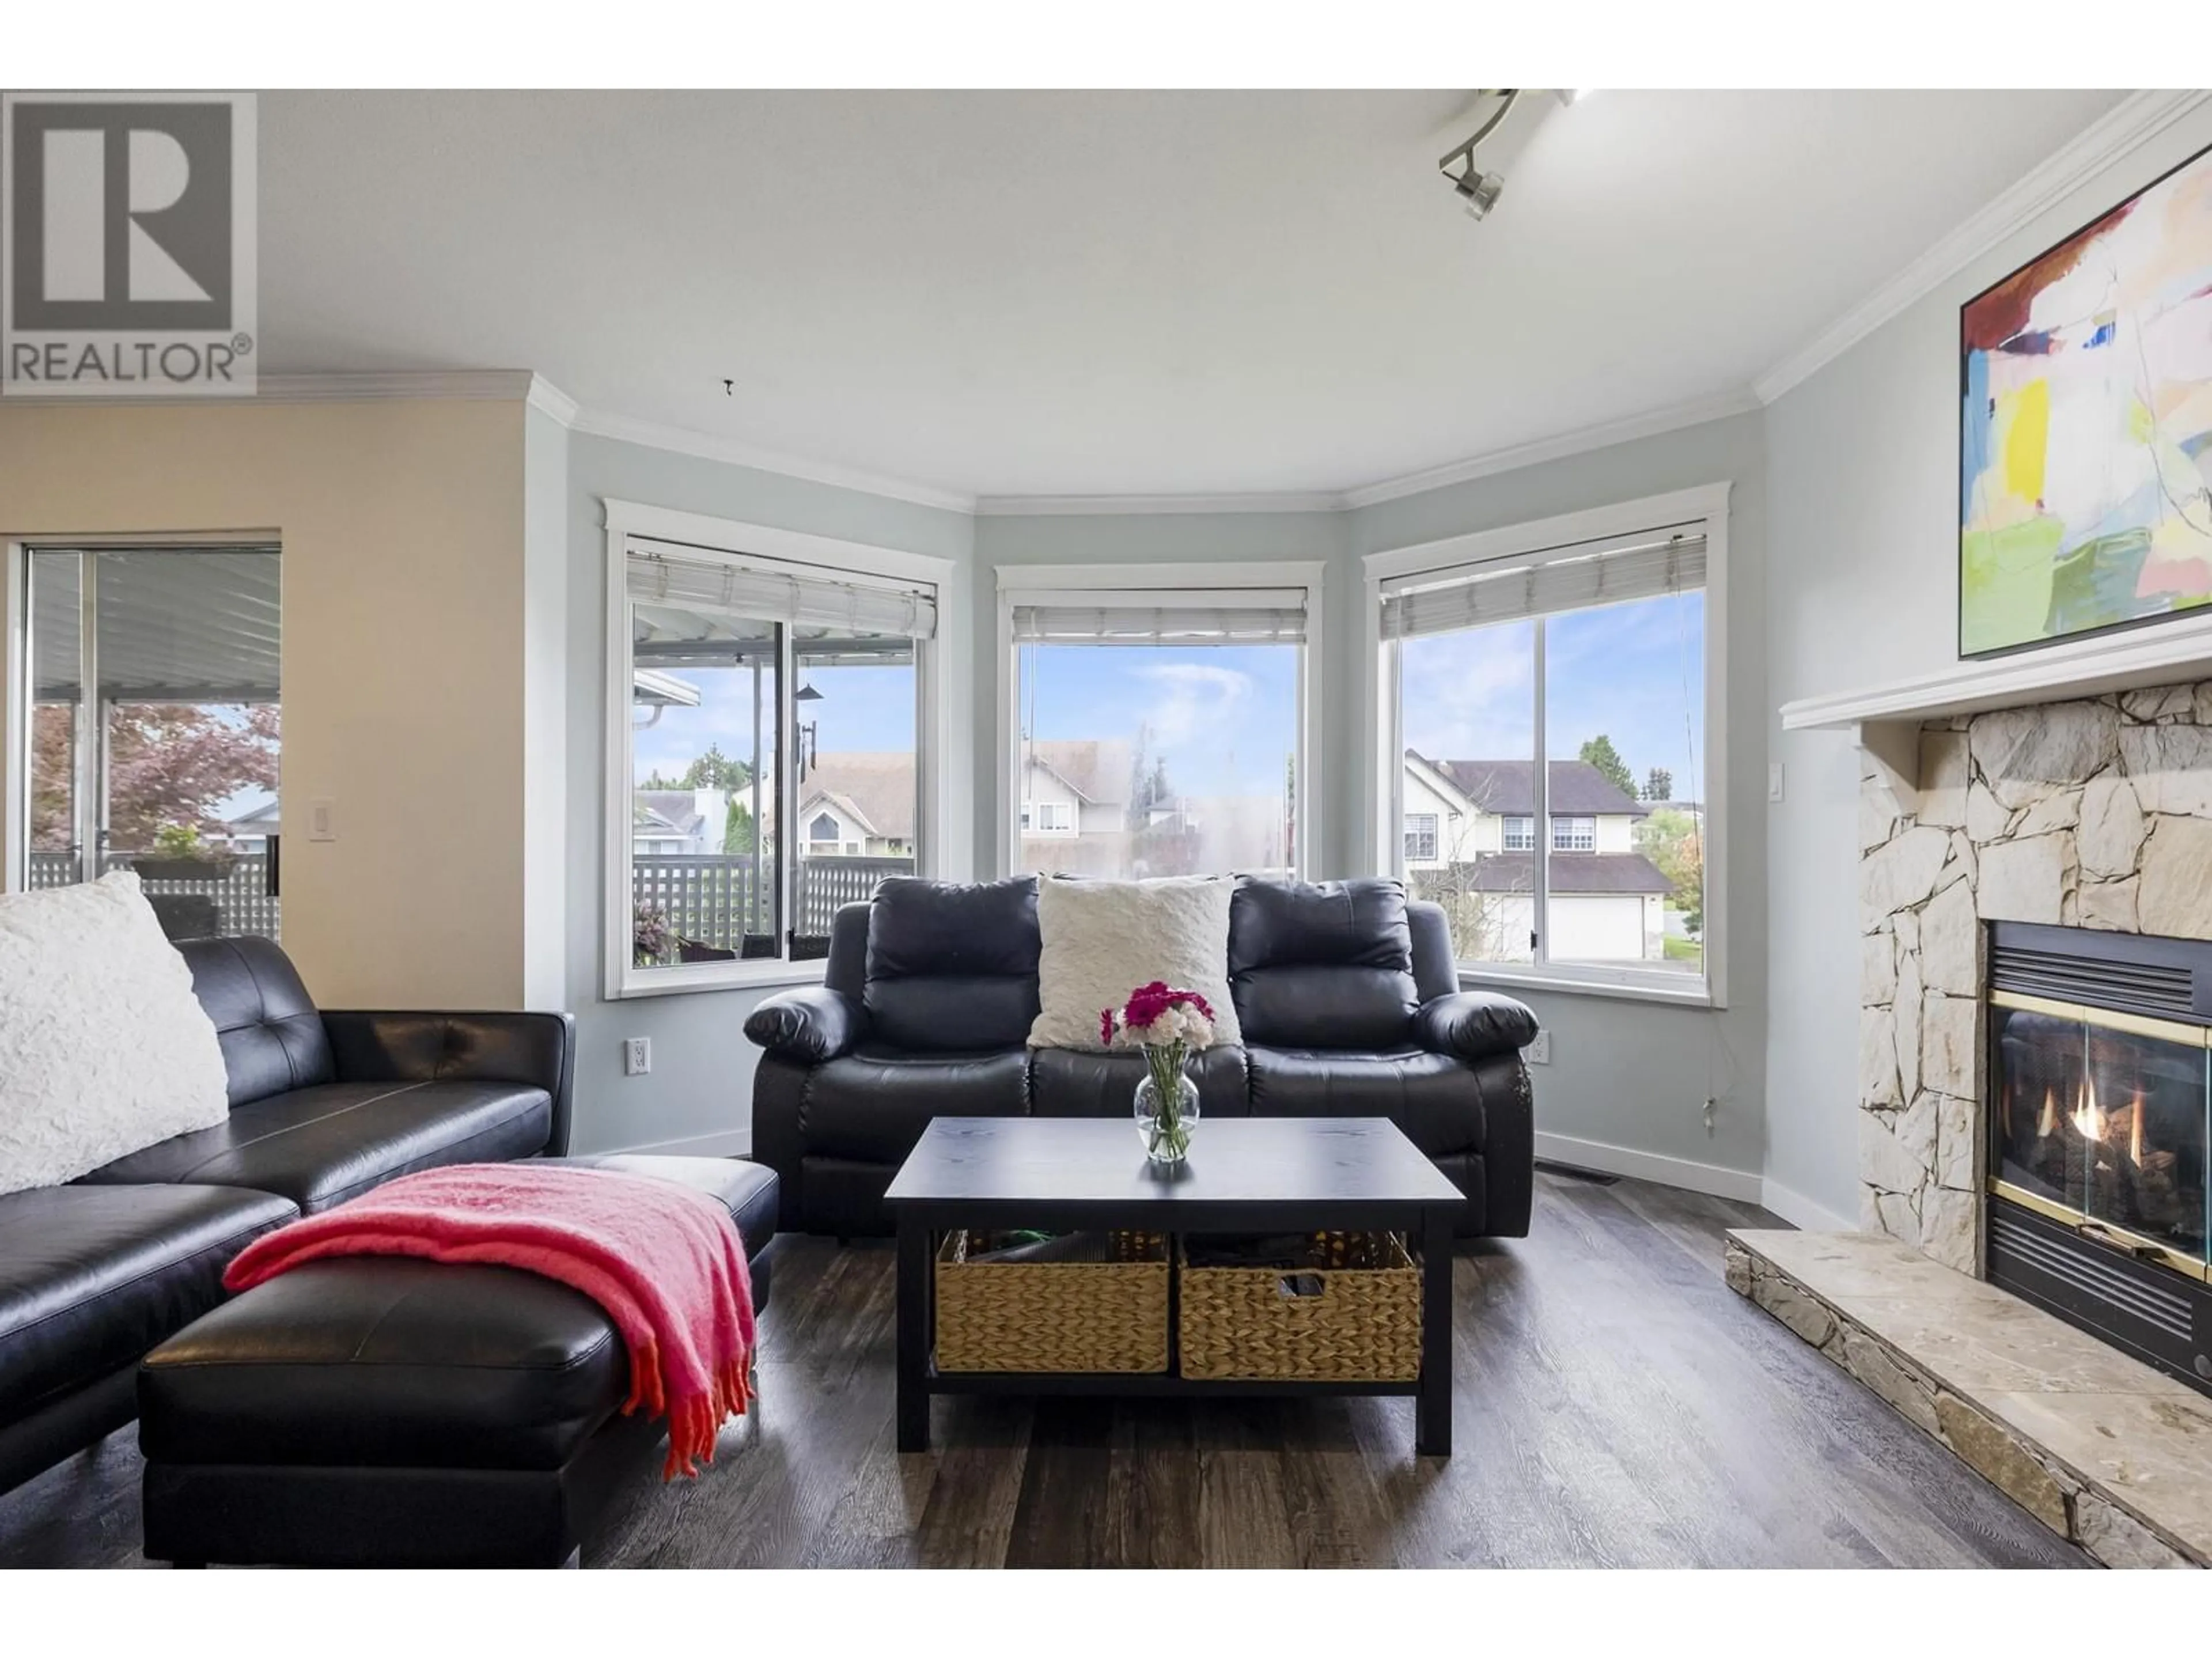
(545, 682)
(1626, 1075)
(699, 1091)
(1635, 1075)
(1861, 498)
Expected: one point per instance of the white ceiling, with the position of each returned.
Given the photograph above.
(1088, 294)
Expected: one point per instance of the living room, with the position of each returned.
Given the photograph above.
(784, 667)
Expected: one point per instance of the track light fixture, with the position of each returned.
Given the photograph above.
(1478, 189)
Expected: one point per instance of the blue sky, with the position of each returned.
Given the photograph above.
(859, 709)
(1224, 718)
(1634, 673)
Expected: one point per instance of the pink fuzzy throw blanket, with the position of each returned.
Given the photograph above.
(664, 1260)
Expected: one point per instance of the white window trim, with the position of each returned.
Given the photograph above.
(1024, 584)
(935, 829)
(1432, 832)
(1381, 753)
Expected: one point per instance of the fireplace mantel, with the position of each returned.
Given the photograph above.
(1886, 719)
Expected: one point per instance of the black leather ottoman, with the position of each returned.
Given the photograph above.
(385, 1412)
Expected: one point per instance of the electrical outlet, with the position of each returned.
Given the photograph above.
(1710, 1106)
(1538, 1051)
(637, 1057)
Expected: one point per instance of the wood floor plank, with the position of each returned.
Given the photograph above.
(1616, 1405)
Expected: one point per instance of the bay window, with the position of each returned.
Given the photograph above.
(1562, 674)
(1154, 718)
(769, 699)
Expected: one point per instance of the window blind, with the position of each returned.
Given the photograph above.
(1252, 617)
(1570, 578)
(772, 592)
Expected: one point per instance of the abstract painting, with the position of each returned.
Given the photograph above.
(2085, 431)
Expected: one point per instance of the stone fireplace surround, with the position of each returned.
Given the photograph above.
(2094, 813)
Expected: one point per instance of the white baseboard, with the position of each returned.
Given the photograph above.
(722, 1143)
(1683, 1172)
(1801, 1212)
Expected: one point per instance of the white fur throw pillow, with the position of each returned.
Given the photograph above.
(103, 1048)
(1103, 939)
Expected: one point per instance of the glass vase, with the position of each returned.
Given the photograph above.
(1165, 1125)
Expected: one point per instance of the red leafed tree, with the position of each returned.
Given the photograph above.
(167, 763)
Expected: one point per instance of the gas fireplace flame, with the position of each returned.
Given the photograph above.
(2134, 1129)
(2047, 1124)
(2088, 1121)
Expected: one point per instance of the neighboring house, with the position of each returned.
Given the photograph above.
(665, 821)
(249, 831)
(1470, 842)
(1074, 805)
(856, 804)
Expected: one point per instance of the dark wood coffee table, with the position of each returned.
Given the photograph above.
(1257, 1175)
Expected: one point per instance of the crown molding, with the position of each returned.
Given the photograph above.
(467, 386)
(549, 399)
(1673, 418)
(2129, 124)
(681, 440)
(1050, 506)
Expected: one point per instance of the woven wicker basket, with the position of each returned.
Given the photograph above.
(1110, 1314)
(1353, 1314)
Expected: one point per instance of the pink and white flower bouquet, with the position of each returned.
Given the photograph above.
(1170, 1025)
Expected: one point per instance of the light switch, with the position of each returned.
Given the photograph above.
(322, 820)
(1774, 781)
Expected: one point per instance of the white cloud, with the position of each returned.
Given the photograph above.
(1192, 700)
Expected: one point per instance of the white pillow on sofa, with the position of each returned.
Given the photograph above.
(1102, 940)
(103, 1048)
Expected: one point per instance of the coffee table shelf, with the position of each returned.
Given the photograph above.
(1245, 1175)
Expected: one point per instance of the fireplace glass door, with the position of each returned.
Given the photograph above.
(2103, 1118)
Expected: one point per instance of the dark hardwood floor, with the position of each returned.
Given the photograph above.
(1618, 1405)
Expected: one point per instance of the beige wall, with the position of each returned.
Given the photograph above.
(403, 532)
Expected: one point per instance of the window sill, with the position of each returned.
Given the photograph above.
(1696, 994)
(719, 976)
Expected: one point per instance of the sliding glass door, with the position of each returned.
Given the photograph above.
(154, 736)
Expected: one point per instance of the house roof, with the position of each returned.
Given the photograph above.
(675, 810)
(1097, 768)
(876, 789)
(1572, 873)
(1508, 787)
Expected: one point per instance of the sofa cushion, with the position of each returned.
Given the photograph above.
(1325, 965)
(1102, 940)
(387, 1362)
(92, 1277)
(952, 968)
(1432, 1097)
(272, 1038)
(1072, 1083)
(874, 1105)
(102, 1048)
(321, 1146)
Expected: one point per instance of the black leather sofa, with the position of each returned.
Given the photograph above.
(1346, 994)
(324, 1105)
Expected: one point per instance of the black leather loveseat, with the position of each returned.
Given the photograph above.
(323, 1106)
(1347, 993)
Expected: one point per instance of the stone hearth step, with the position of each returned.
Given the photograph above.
(2101, 1449)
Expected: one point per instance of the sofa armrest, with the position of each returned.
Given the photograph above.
(381, 1046)
(1474, 1024)
(808, 1025)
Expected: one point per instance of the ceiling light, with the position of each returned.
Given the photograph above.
(1478, 189)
